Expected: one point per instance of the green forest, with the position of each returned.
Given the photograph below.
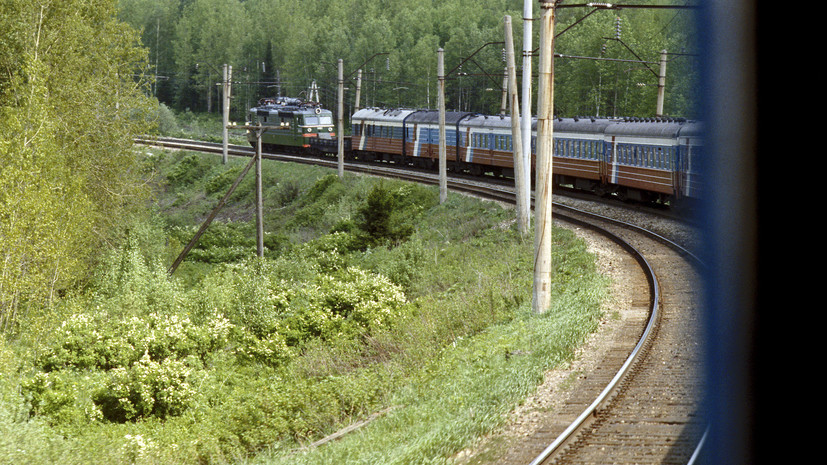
(283, 46)
(373, 300)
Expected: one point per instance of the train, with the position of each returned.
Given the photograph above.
(290, 124)
(651, 160)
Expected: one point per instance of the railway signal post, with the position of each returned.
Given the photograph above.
(542, 196)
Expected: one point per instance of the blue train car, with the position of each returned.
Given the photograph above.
(646, 160)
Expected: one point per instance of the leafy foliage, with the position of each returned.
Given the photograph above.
(395, 44)
(68, 172)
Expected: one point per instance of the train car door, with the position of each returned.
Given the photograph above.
(607, 161)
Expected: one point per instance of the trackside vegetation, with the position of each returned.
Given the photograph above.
(372, 299)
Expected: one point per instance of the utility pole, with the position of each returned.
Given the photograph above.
(516, 135)
(504, 103)
(661, 83)
(340, 129)
(255, 161)
(259, 197)
(443, 175)
(528, 21)
(542, 197)
(228, 76)
(358, 89)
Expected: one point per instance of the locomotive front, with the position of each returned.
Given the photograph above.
(290, 124)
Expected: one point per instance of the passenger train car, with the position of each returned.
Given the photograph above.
(642, 159)
(651, 160)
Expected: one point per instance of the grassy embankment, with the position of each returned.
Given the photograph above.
(372, 297)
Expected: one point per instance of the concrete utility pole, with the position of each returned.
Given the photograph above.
(259, 197)
(443, 171)
(528, 21)
(523, 206)
(358, 89)
(340, 130)
(661, 83)
(228, 76)
(542, 197)
(504, 103)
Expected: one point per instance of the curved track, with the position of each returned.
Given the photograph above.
(640, 405)
(651, 415)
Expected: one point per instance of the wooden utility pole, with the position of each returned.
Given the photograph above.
(523, 206)
(443, 164)
(220, 205)
(340, 130)
(661, 83)
(542, 196)
(226, 88)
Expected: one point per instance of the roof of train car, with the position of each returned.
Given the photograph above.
(586, 125)
(663, 128)
(382, 114)
(589, 125)
(488, 121)
(408, 115)
(432, 116)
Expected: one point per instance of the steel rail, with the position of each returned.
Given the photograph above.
(643, 341)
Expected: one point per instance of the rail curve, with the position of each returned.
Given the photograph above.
(575, 436)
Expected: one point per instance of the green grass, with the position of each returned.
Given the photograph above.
(454, 359)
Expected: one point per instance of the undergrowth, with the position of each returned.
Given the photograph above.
(372, 296)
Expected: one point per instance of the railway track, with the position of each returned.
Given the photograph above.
(647, 409)
(641, 403)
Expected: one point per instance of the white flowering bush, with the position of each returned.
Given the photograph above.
(147, 388)
(347, 303)
(93, 341)
(145, 364)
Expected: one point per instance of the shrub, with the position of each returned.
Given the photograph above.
(93, 341)
(167, 122)
(348, 303)
(146, 388)
(189, 169)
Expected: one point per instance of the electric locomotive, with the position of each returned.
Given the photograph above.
(291, 124)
